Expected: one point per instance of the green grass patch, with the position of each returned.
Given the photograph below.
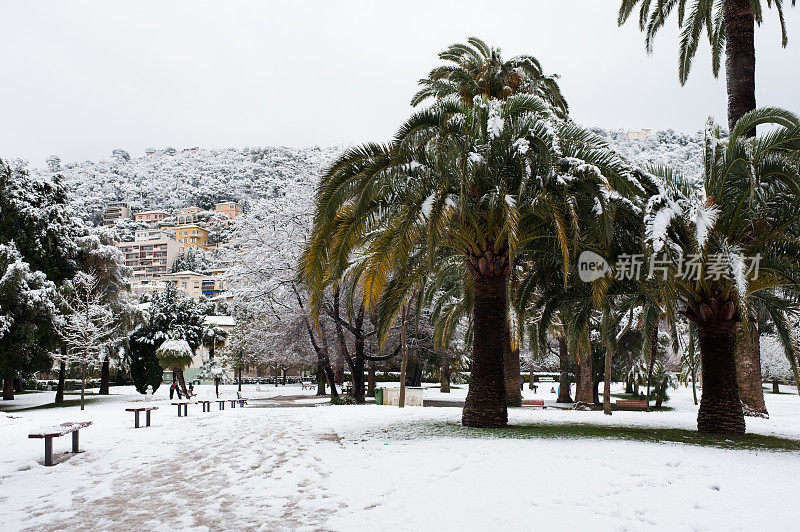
(577, 431)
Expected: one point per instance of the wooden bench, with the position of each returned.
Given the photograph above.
(183, 404)
(546, 379)
(146, 410)
(533, 402)
(53, 432)
(625, 404)
(205, 404)
(307, 385)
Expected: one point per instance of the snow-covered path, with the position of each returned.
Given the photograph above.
(368, 467)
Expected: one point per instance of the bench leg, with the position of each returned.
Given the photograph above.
(75, 441)
(48, 451)
(233, 404)
(136, 419)
(179, 411)
(147, 418)
(185, 410)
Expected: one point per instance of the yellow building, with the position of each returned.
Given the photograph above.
(192, 236)
(187, 215)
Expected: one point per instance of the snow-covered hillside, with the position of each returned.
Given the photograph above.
(169, 178)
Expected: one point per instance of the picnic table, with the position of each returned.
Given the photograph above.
(137, 410)
(206, 404)
(49, 433)
(183, 404)
(221, 403)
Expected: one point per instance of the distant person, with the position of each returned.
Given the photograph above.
(191, 390)
(535, 387)
(172, 389)
(641, 396)
(553, 390)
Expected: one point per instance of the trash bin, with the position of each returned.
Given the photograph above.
(378, 396)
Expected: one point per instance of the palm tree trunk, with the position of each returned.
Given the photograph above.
(607, 382)
(105, 377)
(563, 363)
(653, 353)
(240, 378)
(740, 59)
(62, 377)
(511, 370)
(371, 378)
(485, 405)
(720, 408)
(178, 375)
(748, 372)
(584, 392)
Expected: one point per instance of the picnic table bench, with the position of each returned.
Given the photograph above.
(533, 402)
(49, 433)
(626, 404)
(183, 404)
(206, 404)
(146, 410)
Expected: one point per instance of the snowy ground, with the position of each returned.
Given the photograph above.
(369, 467)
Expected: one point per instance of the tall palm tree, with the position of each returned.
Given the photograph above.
(478, 181)
(476, 69)
(728, 24)
(748, 209)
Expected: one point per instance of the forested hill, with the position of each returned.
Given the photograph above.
(169, 178)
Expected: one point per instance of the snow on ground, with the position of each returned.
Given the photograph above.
(368, 467)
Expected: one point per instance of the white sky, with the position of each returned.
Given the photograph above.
(81, 78)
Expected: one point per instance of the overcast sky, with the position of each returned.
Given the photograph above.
(81, 78)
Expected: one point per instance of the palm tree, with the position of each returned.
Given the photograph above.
(748, 210)
(729, 24)
(176, 355)
(474, 183)
(476, 69)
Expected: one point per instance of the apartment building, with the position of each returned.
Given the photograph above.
(153, 234)
(194, 285)
(188, 215)
(641, 134)
(150, 217)
(150, 257)
(116, 210)
(231, 209)
(192, 236)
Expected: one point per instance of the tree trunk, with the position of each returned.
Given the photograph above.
(629, 385)
(511, 369)
(748, 372)
(178, 375)
(404, 347)
(720, 408)
(216, 387)
(8, 388)
(530, 377)
(563, 380)
(325, 361)
(444, 375)
(62, 376)
(105, 377)
(775, 386)
(371, 378)
(653, 353)
(584, 392)
(320, 377)
(83, 385)
(740, 59)
(17, 385)
(607, 382)
(485, 405)
(240, 379)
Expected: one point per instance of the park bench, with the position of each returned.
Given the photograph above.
(60, 430)
(309, 385)
(546, 379)
(146, 410)
(241, 400)
(205, 404)
(533, 402)
(624, 404)
(233, 402)
(182, 407)
(221, 403)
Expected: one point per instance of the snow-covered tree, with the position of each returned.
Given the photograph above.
(87, 327)
(27, 302)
